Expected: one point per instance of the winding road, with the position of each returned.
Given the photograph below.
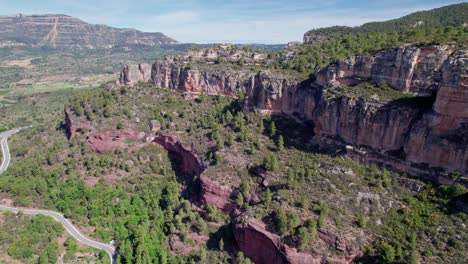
(71, 229)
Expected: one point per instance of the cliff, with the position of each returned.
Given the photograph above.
(416, 123)
(61, 31)
(264, 247)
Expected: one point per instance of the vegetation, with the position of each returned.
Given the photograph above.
(34, 237)
(143, 207)
(309, 57)
(452, 15)
(139, 198)
(378, 92)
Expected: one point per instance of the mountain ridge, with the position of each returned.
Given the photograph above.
(64, 31)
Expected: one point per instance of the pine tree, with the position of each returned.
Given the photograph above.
(280, 143)
(231, 138)
(268, 198)
(273, 129)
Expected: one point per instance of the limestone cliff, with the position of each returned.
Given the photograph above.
(425, 133)
(61, 31)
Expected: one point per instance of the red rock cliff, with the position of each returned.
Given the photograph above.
(425, 135)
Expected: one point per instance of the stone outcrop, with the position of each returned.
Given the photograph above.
(253, 238)
(425, 134)
(213, 193)
(61, 31)
(258, 244)
(416, 135)
(102, 141)
(186, 160)
(132, 74)
(406, 68)
(264, 247)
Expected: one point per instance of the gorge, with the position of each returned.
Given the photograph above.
(420, 130)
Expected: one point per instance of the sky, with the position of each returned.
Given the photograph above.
(241, 21)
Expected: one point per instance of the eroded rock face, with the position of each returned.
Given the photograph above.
(132, 74)
(264, 247)
(102, 141)
(176, 76)
(406, 68)
(187, 161)
(424, 134)
(61, 31)
(213, 193)
(259, 245)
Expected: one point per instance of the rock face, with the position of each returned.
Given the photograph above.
(132, 74)
(415, 135)
(258, 244)
(406, 68)
(212, 193)
(428, 136)
(264, 247)
(187, 161)
(61, 31)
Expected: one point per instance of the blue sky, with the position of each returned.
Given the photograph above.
(241, 21)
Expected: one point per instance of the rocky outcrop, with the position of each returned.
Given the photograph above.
(102, 141)
(425, 134)
(264, 247)
(132, 74)
(213, 193)
(61, 31)
(440, 137)
(258, 244)
(187, 162)
(179, 77)
(406, 68)
(405, 133)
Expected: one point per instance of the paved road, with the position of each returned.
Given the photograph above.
(72, 230)
(5, 150)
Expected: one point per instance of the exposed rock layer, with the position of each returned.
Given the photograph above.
(416, 135)
(61, 31)
(264, 247)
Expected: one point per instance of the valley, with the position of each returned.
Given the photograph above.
(351, 147)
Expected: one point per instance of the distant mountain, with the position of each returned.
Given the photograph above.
(452, 15)
(61, 31)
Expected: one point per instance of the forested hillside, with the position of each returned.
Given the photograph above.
(453, 15)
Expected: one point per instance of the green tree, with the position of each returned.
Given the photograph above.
(268, 198)
(280, 143)
(388, 253)
(323, 214)
(231, 138)
(273, 129)
(303, 237)
(281, 221)
(270, 162)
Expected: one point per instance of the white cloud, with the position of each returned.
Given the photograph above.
(193, 27)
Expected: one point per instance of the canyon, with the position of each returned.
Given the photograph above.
(422, 131)
(252, 236)
(416, 125)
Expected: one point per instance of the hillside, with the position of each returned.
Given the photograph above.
(452, 15)
(352, 149)
(61, 31)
